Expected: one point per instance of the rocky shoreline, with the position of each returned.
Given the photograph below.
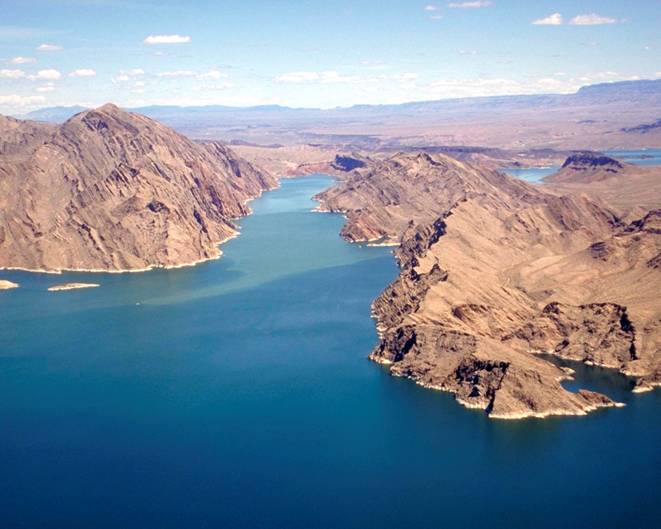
(503, 272)
(138, 196)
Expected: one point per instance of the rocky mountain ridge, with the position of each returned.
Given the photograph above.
(111, 190)
(493, 271)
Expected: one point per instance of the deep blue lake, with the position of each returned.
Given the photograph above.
(237, 394)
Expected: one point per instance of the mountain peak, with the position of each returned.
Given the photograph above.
(109, 108)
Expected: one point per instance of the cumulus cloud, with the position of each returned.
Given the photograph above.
(46, 75)
(177, 73)
(21, 101)
(554, 19)
(49, 47)
(126, 75)
(591, 19)
(213, 75)
(167, 39)
(22, 60)
(329, 76)
(12, 74)
(83, 72)
(469, 5)
(48, 87)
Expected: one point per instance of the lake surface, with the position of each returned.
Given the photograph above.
(237, 394)
(646, 157)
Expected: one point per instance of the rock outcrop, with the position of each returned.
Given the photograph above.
(111, 190)
(494, 271)
(632, 189)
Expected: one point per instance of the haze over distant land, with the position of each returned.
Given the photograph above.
(602, 116)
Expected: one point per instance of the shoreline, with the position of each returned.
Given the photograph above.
(149, 268)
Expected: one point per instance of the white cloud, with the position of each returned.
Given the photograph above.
(22, 60)
(139, 84)
(552, 20)
(177, 73)
(297, 77)
(49, 47)
(125, 75)
(469, 5)
(431, 8)
(21, 101)
(83, 72)
(329, 76)
(167, 39)
(12, 74)
(48, 87)
(213, 75)
(404, 77)
(46, 75)
(214, 87)
(591, 19)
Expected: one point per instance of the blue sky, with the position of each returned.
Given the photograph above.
(315, 54)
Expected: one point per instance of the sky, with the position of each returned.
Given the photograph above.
(315, 53)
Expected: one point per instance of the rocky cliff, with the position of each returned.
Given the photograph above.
(111, 190)
(494, 271)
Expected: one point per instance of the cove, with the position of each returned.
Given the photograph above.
(237, 394)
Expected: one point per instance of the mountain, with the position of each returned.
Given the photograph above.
(592, 118)
(631, 188)
(494, 271)
(113, 190)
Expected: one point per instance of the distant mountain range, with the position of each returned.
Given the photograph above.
(599, 115)
(593, 94)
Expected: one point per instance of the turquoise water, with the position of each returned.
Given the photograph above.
(237, 394)
(532, 174)
(645, 157)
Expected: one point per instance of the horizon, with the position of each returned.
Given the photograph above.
(287, 107)
(56, 53)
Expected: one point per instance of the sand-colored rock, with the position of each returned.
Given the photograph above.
(111, 190)
(72, 286)
(494, 270)
(632, 189)
(6, 285)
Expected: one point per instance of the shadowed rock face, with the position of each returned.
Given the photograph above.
(591, 160)
(347, 163)
(111, 190)
(493, 271)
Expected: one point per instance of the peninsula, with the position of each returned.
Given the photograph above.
(494, 270)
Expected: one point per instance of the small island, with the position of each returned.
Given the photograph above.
(6, 285)
(71, 286)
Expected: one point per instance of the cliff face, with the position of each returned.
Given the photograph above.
(504, 271)
(111, 190)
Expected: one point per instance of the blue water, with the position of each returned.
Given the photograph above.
(237, 394)
(645, 157)
(531, 174)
